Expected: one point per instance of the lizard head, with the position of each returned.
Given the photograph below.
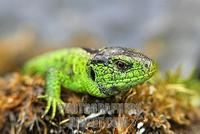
(116, 69)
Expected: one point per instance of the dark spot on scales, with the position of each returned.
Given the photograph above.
(63, 65)
(110, 91)
(92, 74)
(62, 59)
(71, 72)
(114, 90)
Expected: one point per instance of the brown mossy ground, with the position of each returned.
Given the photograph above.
(162, 105)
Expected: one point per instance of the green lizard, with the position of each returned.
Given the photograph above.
(101, 73)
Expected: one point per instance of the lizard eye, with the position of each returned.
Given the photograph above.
(121, 65)
(147, 64)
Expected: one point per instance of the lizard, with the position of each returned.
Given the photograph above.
(101, 72)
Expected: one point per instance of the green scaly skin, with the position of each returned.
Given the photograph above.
(101, 73)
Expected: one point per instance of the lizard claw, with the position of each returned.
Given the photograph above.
(41, 97)
(53, 103)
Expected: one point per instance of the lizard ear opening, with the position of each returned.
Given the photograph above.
(92, 74)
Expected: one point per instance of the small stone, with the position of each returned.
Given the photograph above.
(140, 124)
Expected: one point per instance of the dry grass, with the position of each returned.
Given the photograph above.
(166, 104)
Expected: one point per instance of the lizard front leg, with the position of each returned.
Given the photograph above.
(52, 92)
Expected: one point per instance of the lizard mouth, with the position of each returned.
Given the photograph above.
(144, 78)
(153, 69)
(115, 90)
(151, 73)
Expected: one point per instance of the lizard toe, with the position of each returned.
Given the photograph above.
(41, 97)
(49, 104)
(54, 107)
(61, 106)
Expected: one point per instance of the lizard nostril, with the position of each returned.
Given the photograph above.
(146, 65)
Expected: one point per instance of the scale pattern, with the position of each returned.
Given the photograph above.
(101, 73)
